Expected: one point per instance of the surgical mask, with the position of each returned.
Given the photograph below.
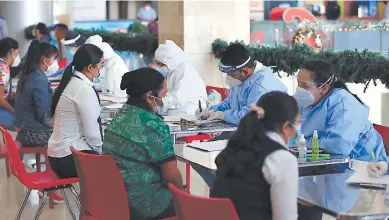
(304, 97)
(53, 68)
(292, 141)
(52, 35)
(147, 7)
(17, 61)
(96, 79)
(163, 70)
(158, 108)
(232, 82)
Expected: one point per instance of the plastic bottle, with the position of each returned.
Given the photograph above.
(302, 148)
(315, 145)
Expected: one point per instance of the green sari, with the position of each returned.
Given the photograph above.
(140, 143)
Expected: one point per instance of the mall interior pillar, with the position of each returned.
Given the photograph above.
(194, 25)
(20, 14)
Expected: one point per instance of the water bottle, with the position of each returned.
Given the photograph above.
(302, 148)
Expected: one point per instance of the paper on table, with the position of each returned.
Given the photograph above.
(113, 106)
(362, 177)
(210, 146)
(177, 118)
(112, 98)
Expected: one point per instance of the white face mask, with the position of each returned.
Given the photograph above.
(232, 82)
(17, 61)
(52, 68)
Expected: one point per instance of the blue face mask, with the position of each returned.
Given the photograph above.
(52, 35)
(163, 70)
(96, 80)
(293, 141)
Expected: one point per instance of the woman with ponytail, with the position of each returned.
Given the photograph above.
(256, 170)
(9, 56)
(76, 112)
(340, 117)
(33, 96)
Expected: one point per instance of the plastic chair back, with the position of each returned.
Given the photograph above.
(190, 207)
(223, 91)
(103, 194)
(384, 132)
(15, 161)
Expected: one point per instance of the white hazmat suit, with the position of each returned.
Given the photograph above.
(185, 86)
(114, 67)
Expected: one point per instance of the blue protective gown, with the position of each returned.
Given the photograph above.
(238, 102)
(343, 127)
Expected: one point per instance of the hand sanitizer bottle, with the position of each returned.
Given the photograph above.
(302, 148)
(315, 146)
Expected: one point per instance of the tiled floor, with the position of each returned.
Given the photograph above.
(12, 193)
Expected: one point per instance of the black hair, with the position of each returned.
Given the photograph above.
(86, 55)
(322, 71)
(148, 2)
(236, 54)
(42, 28)
(244, 147)
(6, 44)
(63, 27)
(36, 51)
(385, 2)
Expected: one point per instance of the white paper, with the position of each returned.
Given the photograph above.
(362, 177)
(177, 118)
(210, 146)
(113, 106)
(112, 98)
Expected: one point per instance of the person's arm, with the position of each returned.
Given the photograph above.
(224, 105)
(171, 174)
(3, 102)
(280, 170)
(342, 130)
(42, 100)
(233, 116)
(89, 108)
(162, 154)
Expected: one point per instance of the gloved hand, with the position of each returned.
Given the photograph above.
(205, 114)
(216, 116)
(377, 170)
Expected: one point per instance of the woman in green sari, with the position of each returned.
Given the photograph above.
(139, 140)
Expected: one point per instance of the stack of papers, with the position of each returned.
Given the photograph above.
(112, 98)
(191, 118)
(362, 177)
(113, 106)
(210, 146)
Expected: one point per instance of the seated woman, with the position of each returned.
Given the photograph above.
(256, 170)
(339, 116)
(34, 93)
(76, 111)
(9, 56)
(139, 140)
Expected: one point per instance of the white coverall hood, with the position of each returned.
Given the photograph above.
(170, 54)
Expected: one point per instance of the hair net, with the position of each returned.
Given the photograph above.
(170, 54)
(141, 81)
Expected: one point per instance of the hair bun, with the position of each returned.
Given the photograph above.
(126, 81)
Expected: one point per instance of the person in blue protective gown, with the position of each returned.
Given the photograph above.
(71, 42)
(340, 117)
(248, 81)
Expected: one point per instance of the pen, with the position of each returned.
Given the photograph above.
(200, 108)
(373, 158)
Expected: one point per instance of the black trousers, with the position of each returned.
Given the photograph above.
(65, 167)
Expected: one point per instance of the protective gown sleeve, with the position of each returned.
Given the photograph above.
(341, 131)
(233, 116)
(222, 106)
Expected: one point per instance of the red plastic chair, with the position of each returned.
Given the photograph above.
(223, 91)
(384, 132)
(103, 197)
(46, 180)
(190, 207)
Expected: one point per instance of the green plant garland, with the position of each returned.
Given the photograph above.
(351, 66)
(144, 43)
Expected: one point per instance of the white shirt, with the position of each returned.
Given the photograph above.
(280, 170)
(75, 119)
(386, 12)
